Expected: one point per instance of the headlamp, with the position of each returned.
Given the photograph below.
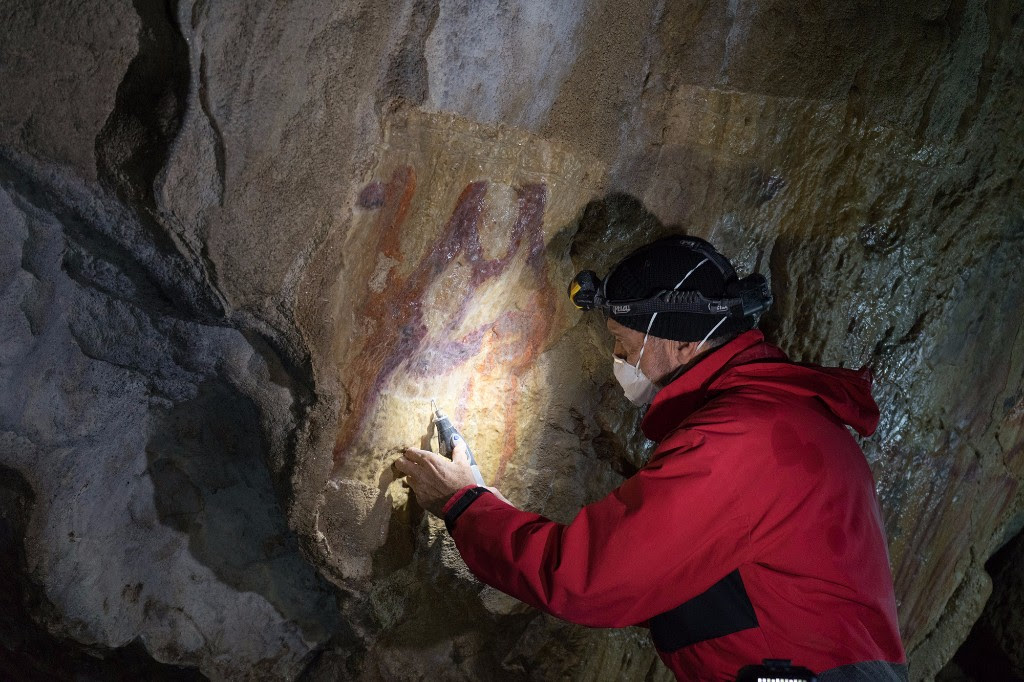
(586, 291)
(748, 297)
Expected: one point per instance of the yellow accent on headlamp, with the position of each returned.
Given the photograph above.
(575, 289)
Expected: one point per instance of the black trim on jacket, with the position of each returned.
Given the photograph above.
(722, 610)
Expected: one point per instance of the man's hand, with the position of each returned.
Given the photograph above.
(434, 479)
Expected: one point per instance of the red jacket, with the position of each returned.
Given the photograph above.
(753, 532)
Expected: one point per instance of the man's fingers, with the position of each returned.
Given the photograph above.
(423, 458)
(459, 455)
(416, 455)
(433, 459)
(405, 466)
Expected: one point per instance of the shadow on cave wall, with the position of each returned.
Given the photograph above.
(207, 463)
(610, 228)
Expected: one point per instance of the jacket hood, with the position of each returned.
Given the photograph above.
(748, 361)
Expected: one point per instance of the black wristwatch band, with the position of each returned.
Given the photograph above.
(468, 498)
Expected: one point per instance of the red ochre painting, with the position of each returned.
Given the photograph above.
(460, 295)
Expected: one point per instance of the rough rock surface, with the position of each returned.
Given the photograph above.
(132, 421)
(994, 649)
(242, 246)
(1002, 615)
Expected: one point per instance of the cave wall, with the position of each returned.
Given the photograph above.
(244, 245)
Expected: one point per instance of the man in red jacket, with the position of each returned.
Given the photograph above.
(753, 532)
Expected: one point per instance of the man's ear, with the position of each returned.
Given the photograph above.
(688, 350)
(685, 351)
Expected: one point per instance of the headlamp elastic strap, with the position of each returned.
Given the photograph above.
(692, 302)
(749, 297)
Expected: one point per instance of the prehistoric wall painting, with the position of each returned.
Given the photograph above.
(402, 330)
(459, 245)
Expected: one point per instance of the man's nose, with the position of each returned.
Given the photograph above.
(619, 351)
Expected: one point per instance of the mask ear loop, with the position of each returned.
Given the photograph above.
(710, 333)
(654, 315)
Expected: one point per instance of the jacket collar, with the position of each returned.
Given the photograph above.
(688, 392)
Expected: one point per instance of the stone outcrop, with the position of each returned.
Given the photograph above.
(133, 422)
(993, 649)
(243, 245)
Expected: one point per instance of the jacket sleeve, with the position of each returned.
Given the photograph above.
(664, 536)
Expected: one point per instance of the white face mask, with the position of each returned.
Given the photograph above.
(638, 388)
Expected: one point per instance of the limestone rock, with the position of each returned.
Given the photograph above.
(137, 430)
(61, 67)
(994, 648)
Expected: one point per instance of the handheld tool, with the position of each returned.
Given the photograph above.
(448, 437)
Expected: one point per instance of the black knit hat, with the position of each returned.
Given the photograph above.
(659, 266)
